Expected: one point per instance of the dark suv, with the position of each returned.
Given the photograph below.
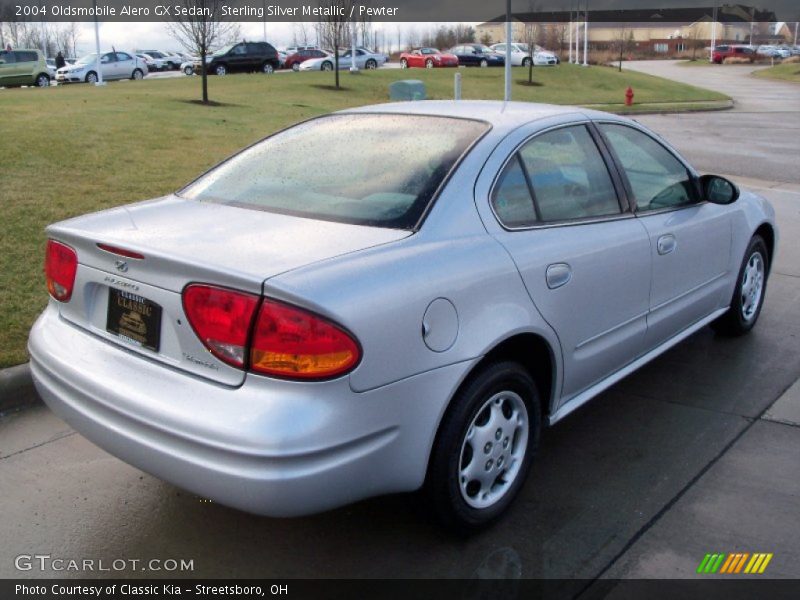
(244, 56)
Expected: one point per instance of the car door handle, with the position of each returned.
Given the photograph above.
(558, 274)
(666, 244)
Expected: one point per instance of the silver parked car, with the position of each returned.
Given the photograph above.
(365, 59)
(113, 65)
(409, 313)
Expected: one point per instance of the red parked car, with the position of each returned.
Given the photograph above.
(724, 51)
(428, 58)
(293, 60)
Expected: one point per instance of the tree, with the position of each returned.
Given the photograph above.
(334, 30)
(486, 39)
(530, 34)
(623, 42)
(202, 31)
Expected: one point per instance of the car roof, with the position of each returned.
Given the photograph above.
(501, 115)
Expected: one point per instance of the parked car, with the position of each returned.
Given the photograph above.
(114, 65)
(477, 55)
(293, 61)
(282, 56)
(724, 51)
(295, 49)
(23, 67)
(51, 67)
(352, 330)
(773, 51)
(520, 55)
(165, 60)
(428, 58)
(153, 64)
(242, 56)
(365, 59)
(188, 65)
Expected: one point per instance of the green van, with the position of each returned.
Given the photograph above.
(23, 67)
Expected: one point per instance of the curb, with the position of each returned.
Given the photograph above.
(16, 389)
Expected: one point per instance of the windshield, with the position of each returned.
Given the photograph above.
(89, 58)
(365, 169)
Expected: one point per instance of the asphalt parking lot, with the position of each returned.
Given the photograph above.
(697, 452)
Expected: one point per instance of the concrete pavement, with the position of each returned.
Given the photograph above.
(759, 137)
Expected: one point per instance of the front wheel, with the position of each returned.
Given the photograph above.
(91, 77)
(484, 447)
(296, 67)
(267, 68)
(188, 70)
(526, 62)
(138, 75)
(403, 63)
(748, 297)
(327, 66)
(429, 64)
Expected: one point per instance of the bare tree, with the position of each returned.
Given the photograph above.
(334, 30)
(623, 42)
(530, 35)
(301, 33)
(201, 32)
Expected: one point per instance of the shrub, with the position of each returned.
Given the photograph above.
(736, 60)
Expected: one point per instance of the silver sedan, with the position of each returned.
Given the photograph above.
(409, 313)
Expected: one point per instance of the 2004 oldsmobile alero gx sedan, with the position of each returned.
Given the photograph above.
(408, 312)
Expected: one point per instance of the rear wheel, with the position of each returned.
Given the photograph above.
(42, 80)
(220, 70)
(138, 75)
(748, 297)
(484, 447)
(484, 62)
(188, 70)
(296, 67)
(429, 64)
(327, 66)
(371, 64)
(267, 68)
(526, 61)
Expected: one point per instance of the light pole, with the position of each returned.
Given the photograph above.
(569, 29)
(265, 20)
(353, 65)
(586, 35)
(713, 32)
(97, 47)
(507, 64)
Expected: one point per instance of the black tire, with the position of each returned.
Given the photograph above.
(484, 63)
(327, 66)
(371, 64)
(220, 70)
(42, 80)
(295, 67)
(91, 77)
(738, 320)
(137, 75)
(444, 480)
(526, 61)
(188, 71)
(403, 63)
(429, 63)
(268, 68)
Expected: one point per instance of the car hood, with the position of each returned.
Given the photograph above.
(208, 241)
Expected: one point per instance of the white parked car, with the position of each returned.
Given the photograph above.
(187, 66)
(520, 55)
(365, 59)
(114, 65)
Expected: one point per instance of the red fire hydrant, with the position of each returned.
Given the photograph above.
(629, 96)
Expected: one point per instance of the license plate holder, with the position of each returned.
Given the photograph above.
(134, 319)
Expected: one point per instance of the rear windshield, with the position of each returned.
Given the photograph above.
(366, 169)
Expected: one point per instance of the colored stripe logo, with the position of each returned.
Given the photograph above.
(735, 563)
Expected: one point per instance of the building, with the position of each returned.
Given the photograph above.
(649, 31)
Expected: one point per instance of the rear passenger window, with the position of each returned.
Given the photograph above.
(569, 178)
(8, 57)
(27, 57)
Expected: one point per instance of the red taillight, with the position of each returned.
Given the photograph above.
(60, 265)
(221, 318)
(294, 343)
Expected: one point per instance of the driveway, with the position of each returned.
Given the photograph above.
(759, 137)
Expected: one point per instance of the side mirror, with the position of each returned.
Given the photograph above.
(718, 190)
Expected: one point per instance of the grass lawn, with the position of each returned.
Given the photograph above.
(69, 150)
(784, 72)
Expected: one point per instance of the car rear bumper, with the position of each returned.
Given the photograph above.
(269, 447)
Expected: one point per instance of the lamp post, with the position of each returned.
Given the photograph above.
(353, 65)
(507, 65)
(586, 35)
(98, 68)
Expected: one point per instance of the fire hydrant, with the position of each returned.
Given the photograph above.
(629, 96)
